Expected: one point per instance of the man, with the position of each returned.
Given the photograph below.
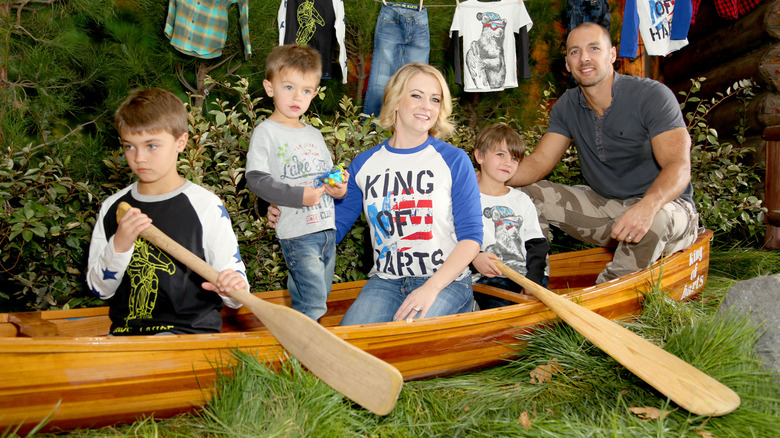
(634, 150)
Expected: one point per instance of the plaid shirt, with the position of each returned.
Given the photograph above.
(199, 27)
(733, 9)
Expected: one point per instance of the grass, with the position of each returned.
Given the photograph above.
(590, 395)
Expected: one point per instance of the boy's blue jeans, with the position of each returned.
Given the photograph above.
(311, 260)
(380, 299)
(401, 37)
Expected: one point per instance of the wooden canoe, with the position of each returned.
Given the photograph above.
(60, 366)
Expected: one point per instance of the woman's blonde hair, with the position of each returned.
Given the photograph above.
(395, 89)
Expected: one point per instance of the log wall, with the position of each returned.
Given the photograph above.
(724, 52)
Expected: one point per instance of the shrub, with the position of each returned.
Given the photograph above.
(46, 221)
(724, 181)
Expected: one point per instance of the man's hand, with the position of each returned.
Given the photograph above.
(672, 151)
(634, 223)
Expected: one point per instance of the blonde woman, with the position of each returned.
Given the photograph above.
(421, 199)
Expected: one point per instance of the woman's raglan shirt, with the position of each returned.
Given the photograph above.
(419, 203)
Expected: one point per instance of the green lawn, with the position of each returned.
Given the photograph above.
(588, 395)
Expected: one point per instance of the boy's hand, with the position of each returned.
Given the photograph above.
(228, 280)
(311, 196)
(484, 265)
(130, 226)
(339, 190)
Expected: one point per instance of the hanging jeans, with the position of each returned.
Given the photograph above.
(401, 37)
(588, 11)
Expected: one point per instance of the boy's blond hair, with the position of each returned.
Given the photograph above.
(151, 110)
(396, 87)
(295, 57)
(493, 135)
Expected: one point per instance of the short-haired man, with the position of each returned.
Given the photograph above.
(634, 151)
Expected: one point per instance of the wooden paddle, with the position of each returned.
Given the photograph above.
(690, 388)
(365, 379)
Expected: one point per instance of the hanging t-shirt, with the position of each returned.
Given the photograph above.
(733, 9)
(489, 54)
(318, 24)
(653, 18)
(199, 28)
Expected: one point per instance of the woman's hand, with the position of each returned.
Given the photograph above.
(418, 302)
(273, 214)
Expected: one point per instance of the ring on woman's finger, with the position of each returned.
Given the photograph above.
(416, 309)
(629, 238)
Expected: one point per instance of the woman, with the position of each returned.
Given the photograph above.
(421, 200)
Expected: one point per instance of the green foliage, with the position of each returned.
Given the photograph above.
(724, 180)
(46, 221)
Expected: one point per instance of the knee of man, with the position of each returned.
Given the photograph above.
(662, 226)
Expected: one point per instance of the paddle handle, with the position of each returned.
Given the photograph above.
(683, 383)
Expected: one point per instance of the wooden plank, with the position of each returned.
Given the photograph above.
(772, 187)
(758, 27)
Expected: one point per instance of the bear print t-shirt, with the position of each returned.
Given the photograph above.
(488, 28)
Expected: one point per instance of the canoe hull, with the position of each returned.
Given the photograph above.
(79, 378)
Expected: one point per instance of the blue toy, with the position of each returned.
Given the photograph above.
(333, 176)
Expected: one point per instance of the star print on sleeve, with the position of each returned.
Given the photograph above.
(237, 255)
(109, 275)
(224, 211)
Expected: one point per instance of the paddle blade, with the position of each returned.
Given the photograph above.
(684, 384)
(363, 378)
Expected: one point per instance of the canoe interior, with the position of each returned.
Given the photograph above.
(580, 268)
(61, 365)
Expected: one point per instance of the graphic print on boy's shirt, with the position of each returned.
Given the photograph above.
(508, 244)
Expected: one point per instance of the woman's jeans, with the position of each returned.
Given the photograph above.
(311, 260)
(401, 37)
(380, 299)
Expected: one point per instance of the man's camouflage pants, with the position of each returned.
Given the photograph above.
(582, 213)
